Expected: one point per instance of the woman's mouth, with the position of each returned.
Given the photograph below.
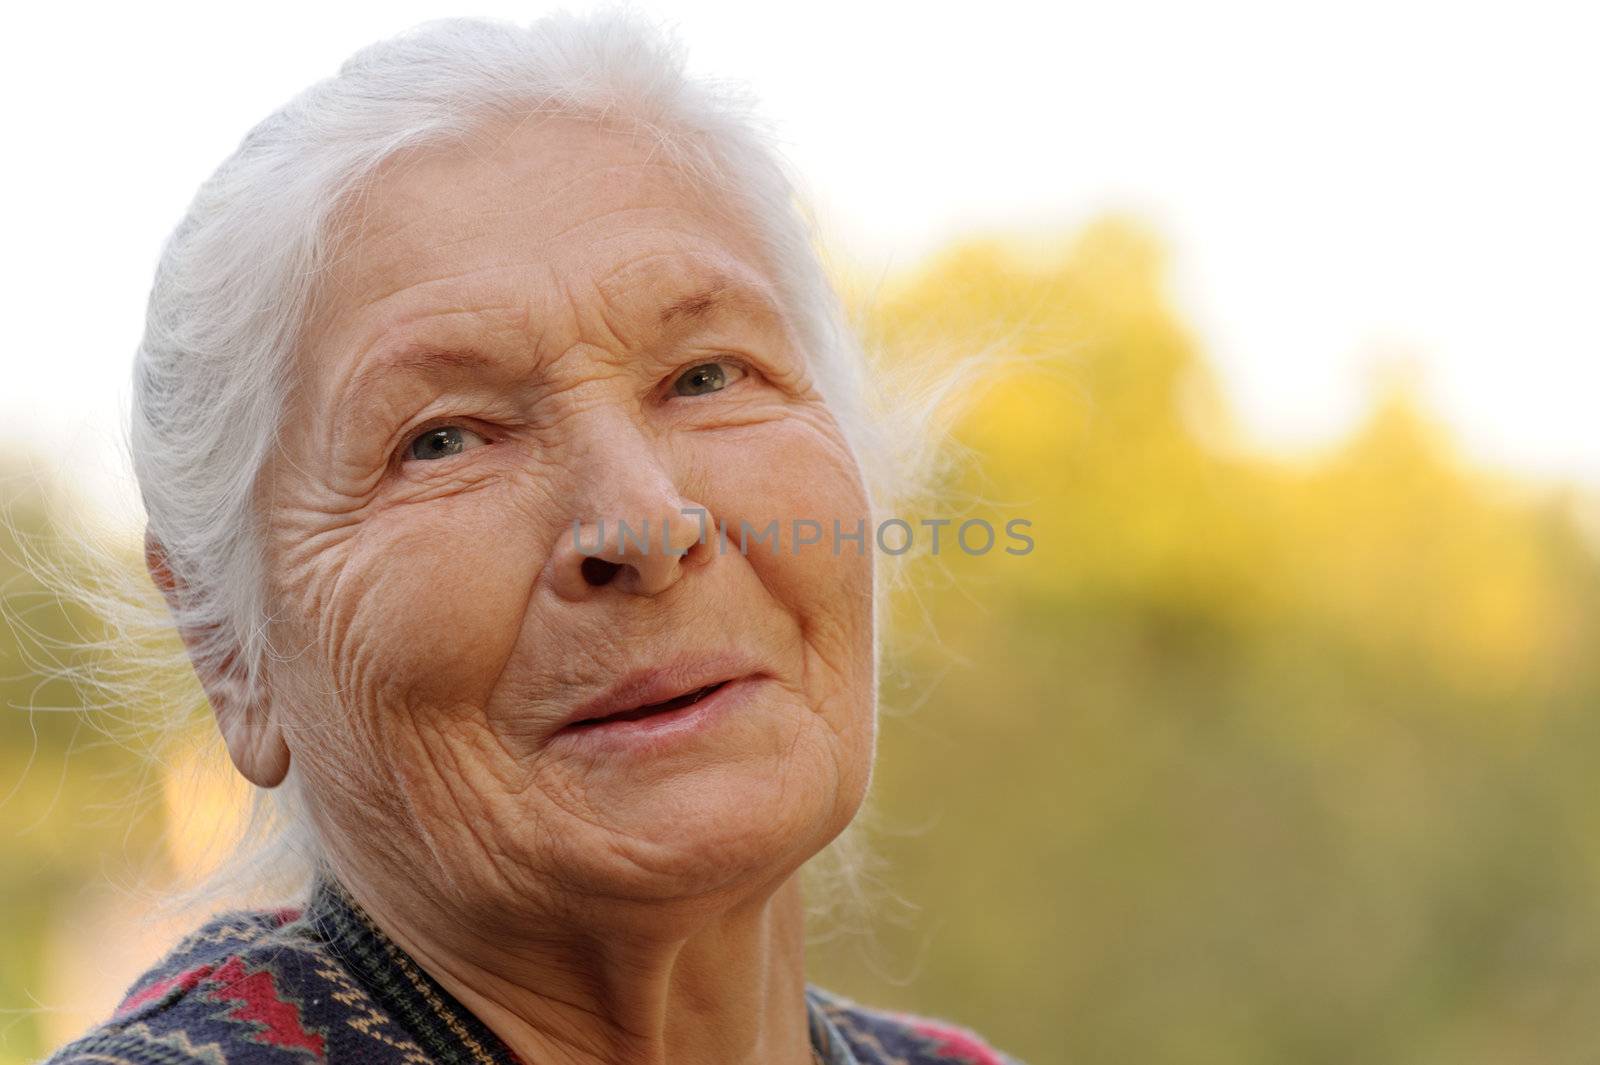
(656, 728)
(650, 708)
(678, 702)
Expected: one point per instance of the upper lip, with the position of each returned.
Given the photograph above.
(658, 683)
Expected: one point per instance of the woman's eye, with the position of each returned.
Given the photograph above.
(443, 442)
(707, 377)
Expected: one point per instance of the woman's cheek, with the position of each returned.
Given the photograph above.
(440, 600)
(802, 476)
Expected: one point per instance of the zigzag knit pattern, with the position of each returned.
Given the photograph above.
(324, 984)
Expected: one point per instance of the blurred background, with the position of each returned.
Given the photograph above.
(1280, 744)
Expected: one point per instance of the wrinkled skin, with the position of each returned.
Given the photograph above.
(434, 623)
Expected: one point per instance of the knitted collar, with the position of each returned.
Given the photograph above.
(447, 1031)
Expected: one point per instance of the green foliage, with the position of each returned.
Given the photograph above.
(1250, 760)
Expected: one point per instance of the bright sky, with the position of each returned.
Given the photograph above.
(1338, 182)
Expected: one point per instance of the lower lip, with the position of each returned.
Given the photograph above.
(667, 727)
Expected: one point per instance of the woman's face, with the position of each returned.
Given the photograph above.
(561, 330)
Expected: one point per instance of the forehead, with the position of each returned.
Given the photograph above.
(517, 217)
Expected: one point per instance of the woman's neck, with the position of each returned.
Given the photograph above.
(655, 988)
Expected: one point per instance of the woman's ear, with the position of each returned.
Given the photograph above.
(254, 739)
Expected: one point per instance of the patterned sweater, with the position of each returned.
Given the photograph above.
(324, 984)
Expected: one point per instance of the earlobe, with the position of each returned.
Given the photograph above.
(254, 739)
(255, 742)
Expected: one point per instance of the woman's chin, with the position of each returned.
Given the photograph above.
(686, 839)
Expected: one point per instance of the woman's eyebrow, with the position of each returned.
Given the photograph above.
(414, 360)
(722, 294)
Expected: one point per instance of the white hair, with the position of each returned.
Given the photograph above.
(236, 277)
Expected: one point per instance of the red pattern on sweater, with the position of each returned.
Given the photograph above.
(957, 1044)
(260, 1003)
(184, 981)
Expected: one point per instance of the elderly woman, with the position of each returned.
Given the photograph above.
(465, 379)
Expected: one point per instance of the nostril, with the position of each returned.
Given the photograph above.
(598, 572)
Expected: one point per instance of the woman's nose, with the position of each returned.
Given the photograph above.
(642, 550)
